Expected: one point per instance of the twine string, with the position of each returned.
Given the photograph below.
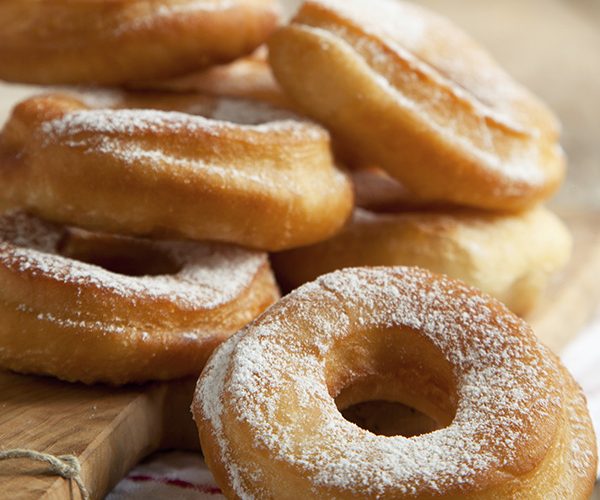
(65, 466)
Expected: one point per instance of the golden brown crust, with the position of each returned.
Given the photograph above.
(403, 89)
(68, 310)
(511, 257)
(568, 471)
(271, 184)
(513, 422)
(100, 42)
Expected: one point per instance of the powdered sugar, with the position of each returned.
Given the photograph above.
(415, 36)
(225, 115)
(431, 42)
(156, 157)
(118, 133)
(581, 453)
(385, 18)
(122, 135)
(210, 275)
(128, 122)
(275, 384)
(80, 324)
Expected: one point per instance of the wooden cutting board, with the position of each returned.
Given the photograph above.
(110, 430)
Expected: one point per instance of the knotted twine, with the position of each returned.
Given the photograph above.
(65, 466)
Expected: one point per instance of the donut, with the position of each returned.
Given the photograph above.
(89, 307)
(246, 78)
(267, 182)
(509, 256)
(403, 89)
(378, 192)
(112, 43)
(511, 422)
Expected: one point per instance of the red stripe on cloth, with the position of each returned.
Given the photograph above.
(178, 483)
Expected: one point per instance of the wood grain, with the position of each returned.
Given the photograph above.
(110, 430)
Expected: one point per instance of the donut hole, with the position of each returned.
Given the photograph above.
(125, 256)
(386, 418)
(393, 382)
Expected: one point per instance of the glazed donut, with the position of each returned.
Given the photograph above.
(401, 88)
(270, 184)
(110, 43)
(511, 257)
(95, 308)
(247, 78)
(511, 421)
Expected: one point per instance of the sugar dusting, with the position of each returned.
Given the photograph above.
(210, 274)
(405, 27)
(582, 458)
(122, 134)
(408, 31)
(215, 117)
(157, 157)
(266, 370)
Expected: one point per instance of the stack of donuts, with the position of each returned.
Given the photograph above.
(137, 223)
(451, 157)
(141, 205)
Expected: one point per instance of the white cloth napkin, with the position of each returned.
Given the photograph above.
(184, 476)
(174, 475)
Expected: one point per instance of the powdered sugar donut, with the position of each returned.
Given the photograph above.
(188, 166)
(401, 88)
(83, 42)
(511, 421)
(96, 308)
